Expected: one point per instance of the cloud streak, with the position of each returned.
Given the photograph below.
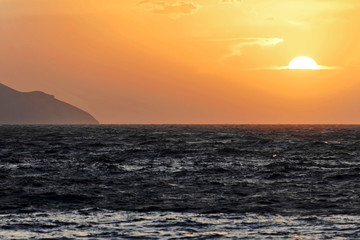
(172, 9)
(320, 67)
(229, 1)
(236, 48)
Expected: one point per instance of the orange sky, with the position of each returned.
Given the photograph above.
(196, 61)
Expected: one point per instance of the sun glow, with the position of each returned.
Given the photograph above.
(303, 63)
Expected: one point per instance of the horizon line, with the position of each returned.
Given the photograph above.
(109, 124)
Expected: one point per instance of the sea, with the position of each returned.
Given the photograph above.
(180, 182)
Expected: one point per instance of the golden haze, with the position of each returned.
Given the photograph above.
(195, 61)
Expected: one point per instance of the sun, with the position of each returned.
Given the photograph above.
(303, 63)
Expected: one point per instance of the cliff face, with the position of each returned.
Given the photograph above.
(38, 108)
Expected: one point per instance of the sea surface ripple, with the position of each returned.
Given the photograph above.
(180, 181)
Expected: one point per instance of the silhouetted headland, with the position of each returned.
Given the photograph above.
(38, 108)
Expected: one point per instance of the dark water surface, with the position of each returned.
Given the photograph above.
(170, 182)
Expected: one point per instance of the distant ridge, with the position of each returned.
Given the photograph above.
(38, 108)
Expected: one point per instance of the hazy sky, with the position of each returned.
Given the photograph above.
(198, 61)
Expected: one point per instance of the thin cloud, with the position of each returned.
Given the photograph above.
(320, 67)
(172, 9)
(236, 48)
(229, 1)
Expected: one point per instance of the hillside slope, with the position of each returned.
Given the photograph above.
(38, 108)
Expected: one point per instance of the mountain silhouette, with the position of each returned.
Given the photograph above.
(38, 108)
